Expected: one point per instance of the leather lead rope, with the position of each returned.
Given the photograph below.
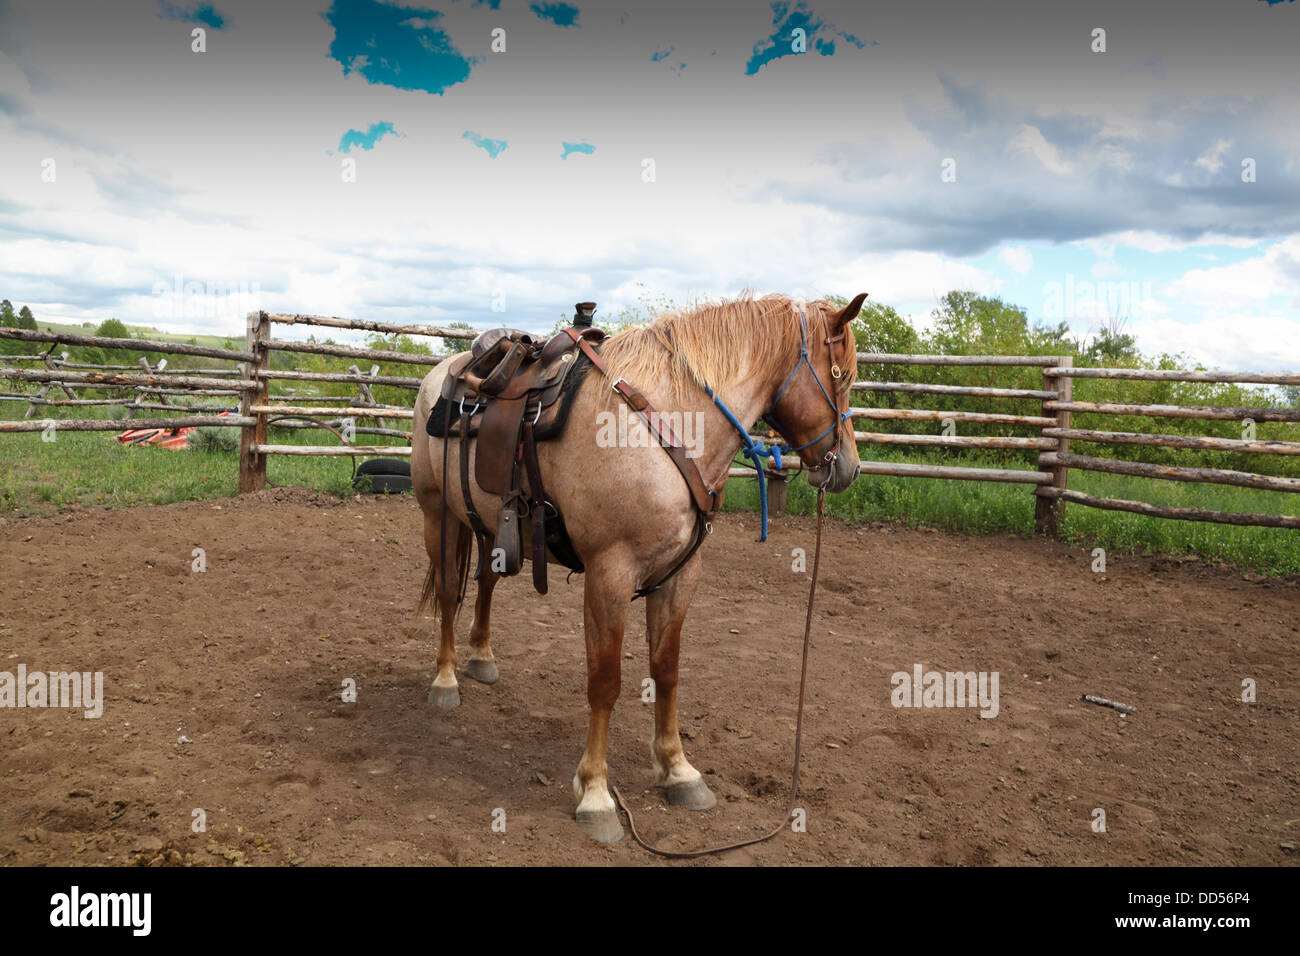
(798, 731)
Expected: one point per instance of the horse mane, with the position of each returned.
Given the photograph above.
(713, 343)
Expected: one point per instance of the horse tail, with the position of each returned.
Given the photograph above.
(430, 588)
(426, 592)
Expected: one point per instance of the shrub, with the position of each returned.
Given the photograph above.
(214, 438)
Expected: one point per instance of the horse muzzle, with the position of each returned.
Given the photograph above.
(836, 476)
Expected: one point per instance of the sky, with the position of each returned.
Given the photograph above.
(177, 164)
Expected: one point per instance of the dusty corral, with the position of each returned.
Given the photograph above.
(223, 693)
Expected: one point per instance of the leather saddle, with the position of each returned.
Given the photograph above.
(503, 393)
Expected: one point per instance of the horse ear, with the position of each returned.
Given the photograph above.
(850, 312)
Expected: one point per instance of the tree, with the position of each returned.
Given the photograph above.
(7, 316)
(25, 319)
(879, 328)
(1111, 343)
(112, 329)
(1056, 338)
(969, 324)
(457, 345)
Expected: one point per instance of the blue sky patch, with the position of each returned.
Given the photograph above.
(203, 13)
(395, 46)
(576, 148)
(786, 18)
(561, 14)
(492, 147)
(1068, 281)
(366, 140)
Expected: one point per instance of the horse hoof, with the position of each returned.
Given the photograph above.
(691, 794)
(601, 825)
(444, 698)
(485, 672)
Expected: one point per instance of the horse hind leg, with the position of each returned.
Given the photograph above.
(445, 586)
(666, 608)
(482, 664)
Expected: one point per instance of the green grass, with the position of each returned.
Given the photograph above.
(93, 469)
(978, 507)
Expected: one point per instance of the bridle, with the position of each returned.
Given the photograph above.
(757, 451)
(836, 373)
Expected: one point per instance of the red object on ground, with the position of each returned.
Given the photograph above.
(162, 437)
(173, 438)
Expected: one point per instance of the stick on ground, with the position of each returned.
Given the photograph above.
(1103, 702)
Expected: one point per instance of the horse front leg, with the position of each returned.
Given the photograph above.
(607, 592)
(482, 663)
(665, 612)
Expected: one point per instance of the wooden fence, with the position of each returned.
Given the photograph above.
(1047, 419)
(255, 411)
(1054, 434)
(256, 403)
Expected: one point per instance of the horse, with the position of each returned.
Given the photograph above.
(630, 515)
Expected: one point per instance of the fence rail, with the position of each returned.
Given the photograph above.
(365, 325)
(1179, 375)
(114, 425)
(134, 345)
(1047, 418)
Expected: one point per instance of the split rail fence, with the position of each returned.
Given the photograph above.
(1048, 418)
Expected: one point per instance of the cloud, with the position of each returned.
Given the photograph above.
(911, 281)
(368, 139)
(1147, 240)
(1212, 159)
(1018, 258)
(1274, 273)
(1235, 339)
(396, 46)
(786, 19)
(203, 13)
(561, 14)
(492, 147)
(1029, 139)
(1024, 174)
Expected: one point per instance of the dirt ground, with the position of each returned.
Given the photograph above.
(223, 693)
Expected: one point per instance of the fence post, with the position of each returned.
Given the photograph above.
(1049, 513)
(44, 390)
(252, 466)
(778, 491)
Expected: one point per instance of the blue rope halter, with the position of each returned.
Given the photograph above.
(757, 451)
